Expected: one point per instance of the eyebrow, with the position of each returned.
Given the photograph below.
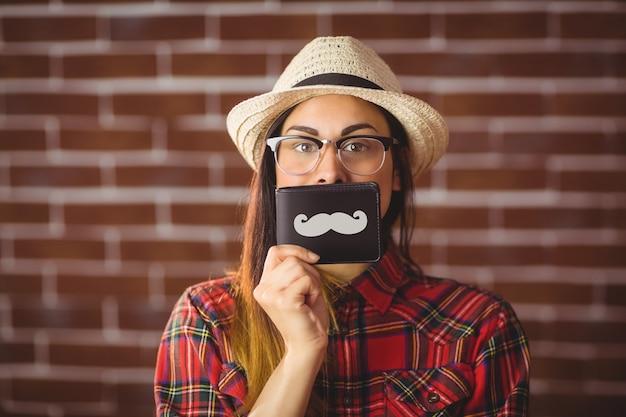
(346, 131)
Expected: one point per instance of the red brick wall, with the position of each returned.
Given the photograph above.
(119, 186)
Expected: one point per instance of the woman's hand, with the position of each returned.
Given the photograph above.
(290, 292)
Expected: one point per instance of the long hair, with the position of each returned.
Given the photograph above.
(257, 345)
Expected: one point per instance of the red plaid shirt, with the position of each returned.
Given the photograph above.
(406, 345)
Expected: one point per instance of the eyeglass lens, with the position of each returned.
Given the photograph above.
(360, 156)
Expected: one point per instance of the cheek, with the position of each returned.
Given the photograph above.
(284, 180)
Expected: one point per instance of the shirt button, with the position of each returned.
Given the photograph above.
(433, 397)
(347, 401)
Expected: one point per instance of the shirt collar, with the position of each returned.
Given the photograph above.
(379, 283)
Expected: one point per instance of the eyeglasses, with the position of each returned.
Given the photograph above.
(360, 154)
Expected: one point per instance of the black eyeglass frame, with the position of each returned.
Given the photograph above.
(386, 141)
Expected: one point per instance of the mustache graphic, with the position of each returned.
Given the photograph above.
(321, 223)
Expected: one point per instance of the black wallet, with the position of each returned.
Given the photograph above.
(339, 222)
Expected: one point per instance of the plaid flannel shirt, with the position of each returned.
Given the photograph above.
(406, 345)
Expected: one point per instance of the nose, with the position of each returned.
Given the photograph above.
(329, 169)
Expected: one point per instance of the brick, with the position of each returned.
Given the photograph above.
(120, 286)
(60, 317)
(618, 218)
(230, 100)
(607, 369)
(595, 181)
(589, 25)
(22, 2)
(577, 403)
(144, 28)
(578, 331)
(204, 1)
(64, 248)
(167, 251)
(565, 143)
(599, 256)
(11, 212)
(589, 104)
(161, 176)
(424, 181)
(213, 214)
(490, 104)
(176, 285)
(565, 368)
(104, 1)
(439, 64)
(134, 399)
(24, 66)
(51, 103)
(257, 27)
(119, 214)
(496, 179)
(451, 218)
(237, 176)
(20, 285)
(135, 396)
(109, 66)
(422, 254)
(139, 409)
(49, 28)
(102, 355)
(232, 254)
(536, 330)
(619, 65)
(382, 25)
(180, 139)
(617, 143)
(556, 218)
(214, 65)
(54, 176)
(100, 139)
(495, 255)
(551, 64)
(142, 316)
(16, 352)
(545, 293)
(58, 391)
(468, 142)
(161, 105)
(579, 369)
(522, 25)
(22, 140)
(616, 295)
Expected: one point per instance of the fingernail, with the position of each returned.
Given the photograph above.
(313, 256)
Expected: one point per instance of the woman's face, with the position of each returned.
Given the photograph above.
(331, 117)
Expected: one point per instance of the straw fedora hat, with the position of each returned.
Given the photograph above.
(339, 65)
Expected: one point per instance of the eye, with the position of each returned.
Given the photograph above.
(299, 145)
(305, 146)
(356, 145)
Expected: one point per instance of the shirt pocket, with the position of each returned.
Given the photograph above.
(436, 392)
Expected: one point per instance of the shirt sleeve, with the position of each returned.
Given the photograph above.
(191, 376)
(501, 369)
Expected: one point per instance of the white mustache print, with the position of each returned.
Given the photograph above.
(321, 223)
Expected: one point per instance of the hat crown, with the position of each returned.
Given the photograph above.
(337, 55)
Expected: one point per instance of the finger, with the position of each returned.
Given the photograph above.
(277, 254)
(286, 274)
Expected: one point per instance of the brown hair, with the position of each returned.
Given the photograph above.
(256, 342)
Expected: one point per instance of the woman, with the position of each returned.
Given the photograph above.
(283, 336)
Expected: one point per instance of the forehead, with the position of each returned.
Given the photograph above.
(336, 111)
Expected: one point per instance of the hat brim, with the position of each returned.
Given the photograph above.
(248, 122)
